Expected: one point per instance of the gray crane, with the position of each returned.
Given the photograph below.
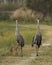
(37, 38)
(19, 38)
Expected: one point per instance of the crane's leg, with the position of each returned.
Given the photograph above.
(32, 45)
(21, 52)
(37, 50)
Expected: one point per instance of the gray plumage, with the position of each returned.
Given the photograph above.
(19, 37)
(20, 40)
(37, 38)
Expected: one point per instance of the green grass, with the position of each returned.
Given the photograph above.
(45, 57)
(7, 40)
(27, 22)
(7, 34)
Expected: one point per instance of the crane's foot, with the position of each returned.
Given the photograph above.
(32, 45)
(37, 55)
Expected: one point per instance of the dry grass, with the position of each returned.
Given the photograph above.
(25, 14)
(28, 14)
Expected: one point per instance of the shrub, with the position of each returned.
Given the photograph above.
(25, 14)
(28, 14)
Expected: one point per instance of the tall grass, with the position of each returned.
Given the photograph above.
(7, 36)
(7, 40)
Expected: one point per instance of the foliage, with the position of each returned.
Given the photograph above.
(44, 6)
(8, 7)
(23, 14)
(29, 15)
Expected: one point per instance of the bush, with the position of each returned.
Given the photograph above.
(29, 15)
(26, 14)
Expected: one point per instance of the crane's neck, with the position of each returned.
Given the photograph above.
(38, 26)
(17, 30)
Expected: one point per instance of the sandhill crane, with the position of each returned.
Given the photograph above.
(37, 38)
(19, 38)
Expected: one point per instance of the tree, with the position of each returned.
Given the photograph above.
(44, 6)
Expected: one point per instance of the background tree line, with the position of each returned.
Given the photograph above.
(44, 6)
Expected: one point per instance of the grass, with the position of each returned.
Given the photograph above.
(7, 40)
(45, 57)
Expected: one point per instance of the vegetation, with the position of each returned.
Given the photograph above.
(6, 10)
(32, 10)
(8, 7)
(39, 9)
(7, 40)
(29, 15)
(44, 6)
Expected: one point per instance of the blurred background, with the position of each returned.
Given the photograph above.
(26, 9)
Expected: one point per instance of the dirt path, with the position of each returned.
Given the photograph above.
(32, 57)
(27, 60)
